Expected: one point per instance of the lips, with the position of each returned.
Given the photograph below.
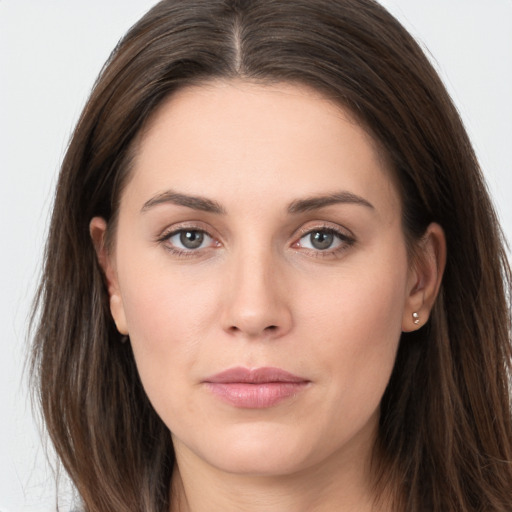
(255, 389)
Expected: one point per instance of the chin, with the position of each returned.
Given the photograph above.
(260, 463)
(259, 450)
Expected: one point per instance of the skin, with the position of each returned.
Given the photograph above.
(258, 292)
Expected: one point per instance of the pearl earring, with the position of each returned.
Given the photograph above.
(416, 318)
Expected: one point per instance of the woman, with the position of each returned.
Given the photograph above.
(274, 279)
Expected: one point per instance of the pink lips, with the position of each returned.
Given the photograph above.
(255, 389)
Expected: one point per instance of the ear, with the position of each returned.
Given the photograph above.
(424, 278)
(98, 230)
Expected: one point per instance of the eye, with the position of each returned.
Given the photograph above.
(320, 240)
(188, 239)
(324, 239)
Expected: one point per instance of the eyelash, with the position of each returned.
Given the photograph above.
(345, 241)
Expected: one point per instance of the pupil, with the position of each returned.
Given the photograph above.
(191, 239)
(321, 240)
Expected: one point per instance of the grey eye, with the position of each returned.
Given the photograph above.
(321, 240)
(191, 239)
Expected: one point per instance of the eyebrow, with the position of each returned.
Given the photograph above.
(194, 202)
(298, 206)
(317, 202)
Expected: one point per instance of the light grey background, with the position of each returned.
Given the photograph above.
(50, 54)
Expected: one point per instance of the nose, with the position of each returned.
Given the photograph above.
(258, 303)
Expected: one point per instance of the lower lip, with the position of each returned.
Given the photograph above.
(255, 396)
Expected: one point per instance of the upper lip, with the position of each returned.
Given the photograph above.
(254, 376)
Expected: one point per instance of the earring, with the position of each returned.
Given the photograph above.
(416, 318)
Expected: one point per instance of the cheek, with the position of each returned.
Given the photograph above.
(166, 329)
(168, 314)
(358, 319)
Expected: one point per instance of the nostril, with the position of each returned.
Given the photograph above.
(271, 328)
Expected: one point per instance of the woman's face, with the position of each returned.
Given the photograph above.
(260, 270)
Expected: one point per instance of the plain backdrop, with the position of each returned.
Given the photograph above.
(50, 54)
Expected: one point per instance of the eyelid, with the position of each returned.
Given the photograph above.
(182, 226)
(324, 226)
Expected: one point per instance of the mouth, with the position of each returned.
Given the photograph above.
(255, 389)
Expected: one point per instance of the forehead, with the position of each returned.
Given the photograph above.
(268, 143)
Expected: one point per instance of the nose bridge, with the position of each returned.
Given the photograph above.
(257, 304)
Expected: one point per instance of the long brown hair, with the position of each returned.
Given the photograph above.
(445, 438)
